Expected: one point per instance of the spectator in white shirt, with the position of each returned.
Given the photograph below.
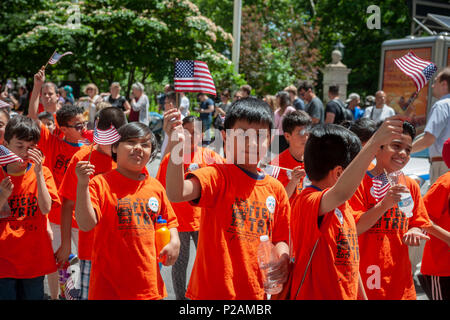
(381, 110)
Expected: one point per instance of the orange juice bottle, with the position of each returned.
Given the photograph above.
(162, 236)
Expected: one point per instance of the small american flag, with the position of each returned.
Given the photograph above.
(381, 185)
(106, 137)
(271, 170)
(193, 76)
(7, 156)
(419, 70)
(4, 104)
(56, 57)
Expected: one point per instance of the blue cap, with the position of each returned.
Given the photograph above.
(160, 220)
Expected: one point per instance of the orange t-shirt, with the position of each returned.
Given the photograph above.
(124, 262)
(68, 189)
(187, 215)
(436, 254)
(57, 154)
(25, 246)
(238, 210)
(333, 273)
(385, 266)
(286, 160)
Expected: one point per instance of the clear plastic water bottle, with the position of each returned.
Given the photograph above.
(406, 204)
(267, 258)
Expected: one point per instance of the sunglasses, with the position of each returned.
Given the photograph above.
(78, 126)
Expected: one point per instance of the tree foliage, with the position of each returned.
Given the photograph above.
(123, 41)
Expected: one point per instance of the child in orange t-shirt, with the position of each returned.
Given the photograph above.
(325, 244)
(384, 231)
(26, 254)
(58, 152)
(123, 205)
(241, 204)
(435, 269)
(187, 215)
(101, 159)
(296, 126)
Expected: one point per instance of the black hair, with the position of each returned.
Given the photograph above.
(190, 119)
(364, 128)
(134, 130)
(333, 89)
(328, 146)
(408, 128)
(285, 99)
(111, 115)
(67, 113)
(249, 109)
(306, 85)
(46, 115)
(298, 118)
(23, 128)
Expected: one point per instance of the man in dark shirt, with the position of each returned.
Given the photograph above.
(206, 112)
(297, 103)
(314, 107)
(334, 109)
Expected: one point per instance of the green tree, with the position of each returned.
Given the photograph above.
(123, 41)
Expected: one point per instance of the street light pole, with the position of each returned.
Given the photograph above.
(236, 34)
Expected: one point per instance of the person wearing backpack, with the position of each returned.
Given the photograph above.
(335, 111)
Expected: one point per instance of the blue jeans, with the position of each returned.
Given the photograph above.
(22, 289)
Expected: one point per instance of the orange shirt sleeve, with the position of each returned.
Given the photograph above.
(420, 217)
(210, 179)
(51, 187)
(436, 200)
(68, 187)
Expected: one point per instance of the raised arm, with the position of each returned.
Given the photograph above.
(178, 189)
(352, 176)
(84, 212)
(39, 79)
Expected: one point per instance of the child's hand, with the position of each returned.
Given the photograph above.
(83, 170)
(171, 252)
(62, 254)
(393, 196)
(297, 174)
(391, 128)
(6, 186)
(37, 157)
(173, 123)
(280, 271)
(413, 237)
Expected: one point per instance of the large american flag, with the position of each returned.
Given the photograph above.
(7, 156)
(419, 70)
(56, 57)
(381, 185)
(106, 137)
(193, 76)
